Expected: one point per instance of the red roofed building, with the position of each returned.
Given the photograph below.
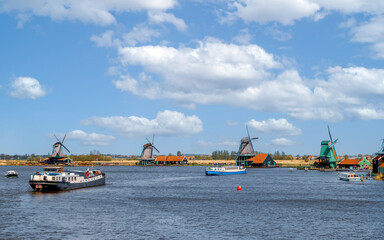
(171, 160)
(354, 163)
(381, 168)
(260, 160)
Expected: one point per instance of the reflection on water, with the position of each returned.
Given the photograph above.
(181, 202)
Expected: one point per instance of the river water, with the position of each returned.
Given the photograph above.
(183, 203)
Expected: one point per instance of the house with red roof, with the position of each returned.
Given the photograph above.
(381, 168)
(355, 163)
(171, 160)
(260, 160)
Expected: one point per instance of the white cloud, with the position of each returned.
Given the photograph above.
(371, 32)
(90, 138)
(278, 34)
(221, 143)
(247, 76)
(27, 87)
(366, 113)
(213, 66)
(278, 126)
(231, 123)
(282, 142)
(288, 11)
(98, 12)
(352, 6)
(166, 123)
(105, 40)
(283, 11)
(244, 37)
(140, 34)
(158, 17)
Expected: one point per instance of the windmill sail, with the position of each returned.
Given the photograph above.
(58, 147)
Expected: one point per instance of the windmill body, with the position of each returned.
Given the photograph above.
(58, 156)
(246, 150)
(146, 157)
(57, 150)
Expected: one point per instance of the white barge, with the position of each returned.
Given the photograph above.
(57, 179)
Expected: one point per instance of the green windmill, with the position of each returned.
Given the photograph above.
(328, 157)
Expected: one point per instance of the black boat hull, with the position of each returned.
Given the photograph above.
(45, 186)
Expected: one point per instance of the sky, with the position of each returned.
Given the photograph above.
(193, 74)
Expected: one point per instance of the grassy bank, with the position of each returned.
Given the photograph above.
(130, 162)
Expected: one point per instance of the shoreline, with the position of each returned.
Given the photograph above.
(126, 162)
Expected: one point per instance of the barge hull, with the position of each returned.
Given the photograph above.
(217, 173)
(63, 186)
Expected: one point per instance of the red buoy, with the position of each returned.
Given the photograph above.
(238, 188)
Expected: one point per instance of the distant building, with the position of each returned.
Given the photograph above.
(58, 160)
(355, 163)
(260, 160)
(381, 168)
(378, 160)
(178, 160)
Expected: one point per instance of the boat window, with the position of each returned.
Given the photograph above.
(53, 178)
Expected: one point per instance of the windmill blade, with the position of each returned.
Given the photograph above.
(255, 138)
(64, 138)
(330, 136)
(148, 140)
(153, 139)
(65, 147)
(250, 139)
(156, 149)
(56, 138)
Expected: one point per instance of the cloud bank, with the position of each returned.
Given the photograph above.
(248, 76)
(166, 123)
(276, 126)
(90, 138)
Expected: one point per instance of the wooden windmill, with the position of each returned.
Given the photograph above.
(146, 156)
(57, 150)
(58, 156)
(246, 150)
(328, 156)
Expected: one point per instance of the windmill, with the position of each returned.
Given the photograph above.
(147, 152)
(57, 156)
(246, 149)
(378, 160)
(58, 147)
(328, 155)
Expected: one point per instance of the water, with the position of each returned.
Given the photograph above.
(183, 203)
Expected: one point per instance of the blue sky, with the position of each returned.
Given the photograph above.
(193, 73)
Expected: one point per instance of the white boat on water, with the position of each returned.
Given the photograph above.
(350, 176)
(224, 170)
(11, 173)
